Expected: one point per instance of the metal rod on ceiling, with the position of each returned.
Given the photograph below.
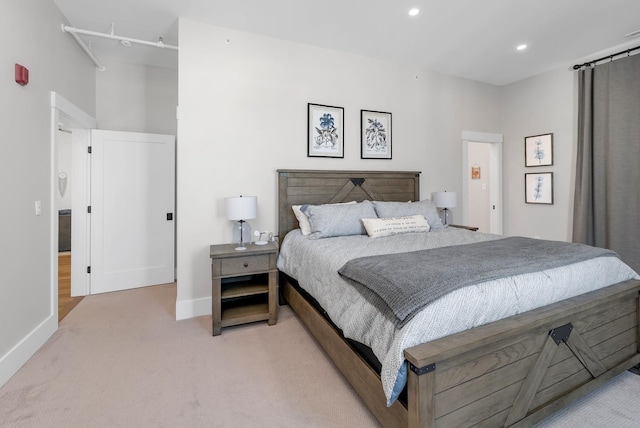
(158, 44)
(589, 63)
(87, 50)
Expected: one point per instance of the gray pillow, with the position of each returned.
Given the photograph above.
(402, 209)
(338, 220)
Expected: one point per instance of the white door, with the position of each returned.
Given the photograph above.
(132, 209)
(494, 177)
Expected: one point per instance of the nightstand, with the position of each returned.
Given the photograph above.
(244, 285)
(459, 226)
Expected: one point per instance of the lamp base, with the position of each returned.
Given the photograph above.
(241, 234)
(446, 217)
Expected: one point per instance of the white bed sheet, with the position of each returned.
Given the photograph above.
(315, 263)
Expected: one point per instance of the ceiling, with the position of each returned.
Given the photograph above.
(467, 38)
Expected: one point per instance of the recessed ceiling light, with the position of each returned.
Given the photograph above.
(414, 12)
(521, 47)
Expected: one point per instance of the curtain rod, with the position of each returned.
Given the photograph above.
(589, 63)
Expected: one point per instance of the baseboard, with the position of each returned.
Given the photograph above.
(186, 309)
(11, 362)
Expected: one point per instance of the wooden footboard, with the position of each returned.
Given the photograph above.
(516, 371)
(512, 372)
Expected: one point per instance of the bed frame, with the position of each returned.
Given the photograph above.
(512, 372)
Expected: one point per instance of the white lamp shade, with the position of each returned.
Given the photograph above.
(445, 199)
(241, 207)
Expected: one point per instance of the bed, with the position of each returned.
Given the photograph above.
(509, 372)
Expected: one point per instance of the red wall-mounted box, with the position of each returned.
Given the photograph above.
(22, 75)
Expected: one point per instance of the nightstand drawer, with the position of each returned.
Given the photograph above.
(242, 265)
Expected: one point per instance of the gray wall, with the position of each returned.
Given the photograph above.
(137, 98)
(539, 105)
(31, 36)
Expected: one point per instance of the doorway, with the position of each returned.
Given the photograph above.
(64, 196)
(132, 188)
(67, 116)
(482, 181)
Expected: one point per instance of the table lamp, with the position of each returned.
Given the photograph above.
(241, 208)
(445, 200)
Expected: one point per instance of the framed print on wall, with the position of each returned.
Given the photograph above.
(325, 133)
(375, 134)
(538, 150)
(538, 188)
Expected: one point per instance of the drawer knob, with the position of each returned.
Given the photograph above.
(246, 264)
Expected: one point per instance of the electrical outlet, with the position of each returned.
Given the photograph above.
(38, 208)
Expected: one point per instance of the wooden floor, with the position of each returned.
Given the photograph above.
(65, 302)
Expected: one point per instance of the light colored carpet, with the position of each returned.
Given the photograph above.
(613, 405)
(121, 360)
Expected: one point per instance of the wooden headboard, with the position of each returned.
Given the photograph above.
(296, 187)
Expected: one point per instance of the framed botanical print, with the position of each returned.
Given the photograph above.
(538, 188)
(375, 133)
(538, 150)
(325, 131)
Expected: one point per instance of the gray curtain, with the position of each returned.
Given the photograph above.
(607, 191)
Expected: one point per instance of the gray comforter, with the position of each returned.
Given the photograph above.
(400, 285)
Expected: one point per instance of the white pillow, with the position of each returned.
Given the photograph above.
(303, 220)
(377, 227)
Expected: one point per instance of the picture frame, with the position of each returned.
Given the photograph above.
(375, 134)
(538, 150)
(325, 131)
(538, 188)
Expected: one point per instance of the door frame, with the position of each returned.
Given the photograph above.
(80, 222)
(495, 179)
(61, 109)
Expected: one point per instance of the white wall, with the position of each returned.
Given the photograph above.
(31, 36)
(137, 98)
(243, 114)
(539, 105)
